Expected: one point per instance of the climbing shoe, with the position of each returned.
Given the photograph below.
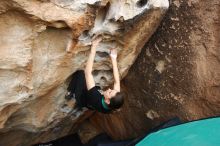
(69, 96)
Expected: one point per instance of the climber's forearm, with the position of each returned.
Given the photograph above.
(89, 64)
(90, 83)
(116, 74)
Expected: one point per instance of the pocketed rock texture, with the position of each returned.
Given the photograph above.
(44, 41)
(176, 74)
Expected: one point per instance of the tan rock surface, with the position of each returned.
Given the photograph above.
(44, 41)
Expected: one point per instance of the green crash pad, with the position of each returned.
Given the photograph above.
(198, 133)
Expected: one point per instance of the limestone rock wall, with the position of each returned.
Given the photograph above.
(44, 41)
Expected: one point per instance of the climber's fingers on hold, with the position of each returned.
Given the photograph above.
(113, 51)
(96, 39)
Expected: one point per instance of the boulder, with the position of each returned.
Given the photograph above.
(44, 41)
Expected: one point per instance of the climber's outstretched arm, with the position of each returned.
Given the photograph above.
(90, 83)
(113, 56)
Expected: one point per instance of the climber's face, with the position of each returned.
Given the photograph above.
(108, 94)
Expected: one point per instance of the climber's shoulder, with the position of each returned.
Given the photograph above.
(94, 100)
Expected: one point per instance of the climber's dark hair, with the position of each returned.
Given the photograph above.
(116, 101)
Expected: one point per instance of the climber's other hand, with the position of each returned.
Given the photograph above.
(96, 41)
(113, 53)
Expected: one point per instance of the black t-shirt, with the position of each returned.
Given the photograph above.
(94, 100)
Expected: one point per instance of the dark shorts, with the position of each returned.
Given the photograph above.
(78, 87)
(91, 98)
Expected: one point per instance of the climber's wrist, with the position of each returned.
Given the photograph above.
(93, 49)
(113, 56)
(93, 52)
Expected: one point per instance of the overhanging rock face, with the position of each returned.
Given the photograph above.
(44, 41)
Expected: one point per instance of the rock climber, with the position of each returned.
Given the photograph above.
(82, 86)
